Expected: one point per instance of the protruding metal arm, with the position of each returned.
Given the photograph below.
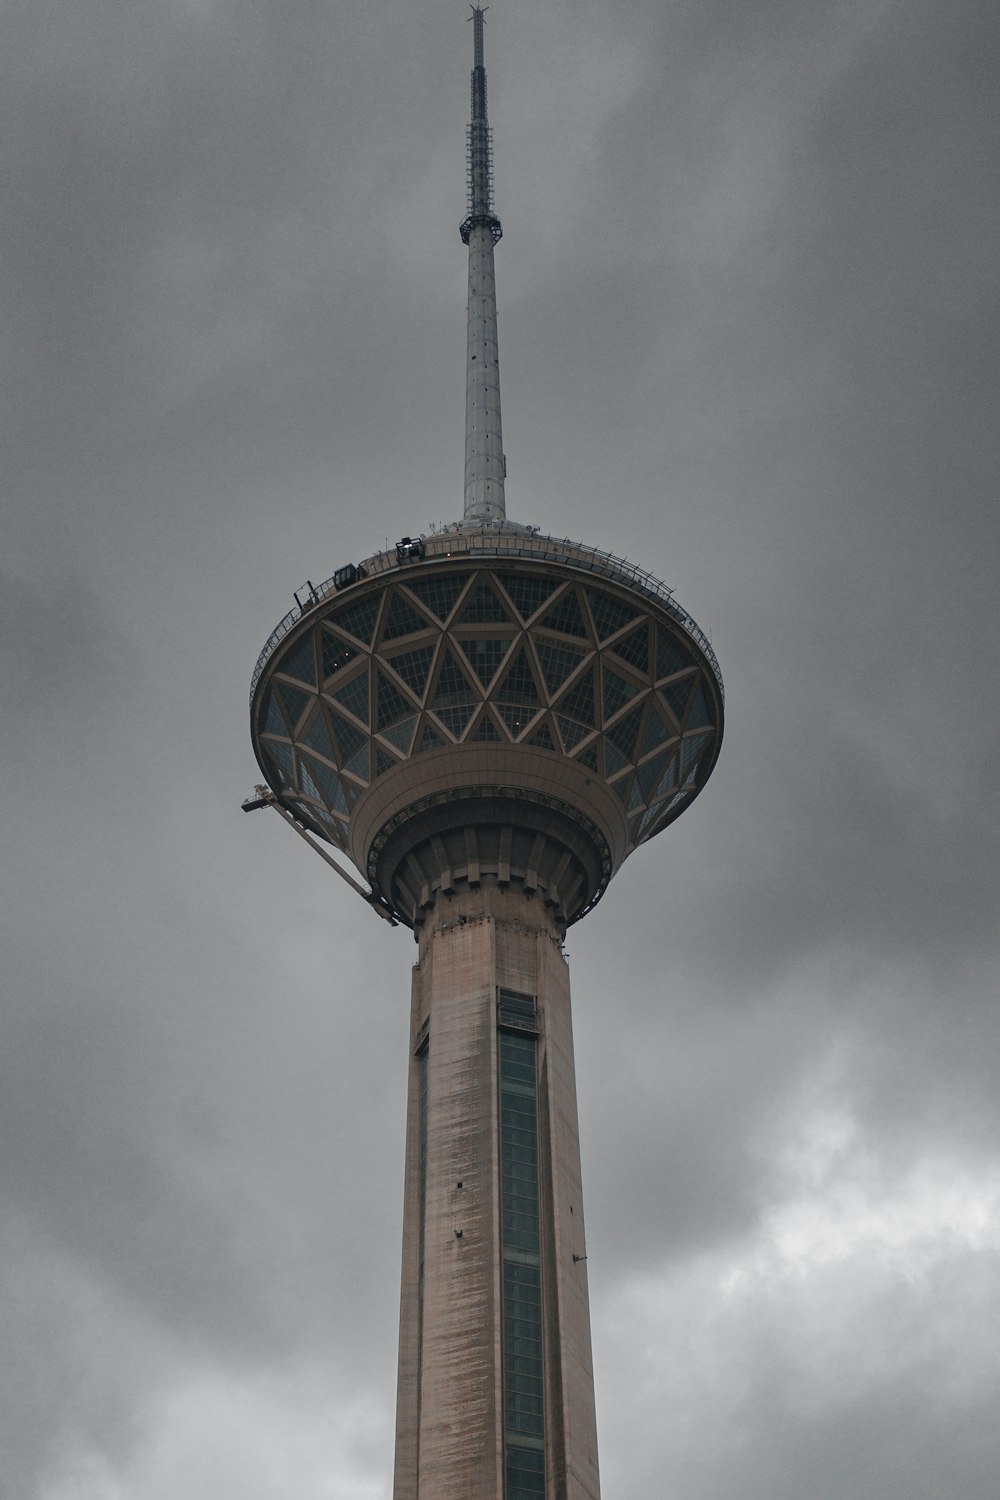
(264, 797)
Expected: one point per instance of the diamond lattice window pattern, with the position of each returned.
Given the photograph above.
(608, 614)
(625, 733)
(566, 616)
(401, 619)
(414, 667)
(671, 656)
(484, 608)
(528, 594)
(485, 657)
(519, 684)
(635, 648)
(676, 695)
(336, 653)
(579, 703)
(273, 722)
(557, 662)
(456, 719)
(617, 691)
(300, 661)
(453, 687)
(349, 739)
(358, 619)
(318, 736)
(354, 697)
(392, 706)
(439, 594)
(359, 764)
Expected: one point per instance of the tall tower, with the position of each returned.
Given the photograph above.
(487, 721)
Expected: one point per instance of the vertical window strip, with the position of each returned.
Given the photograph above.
(524, 1421)
(422, 1069)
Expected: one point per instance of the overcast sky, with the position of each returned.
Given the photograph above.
(748, 336)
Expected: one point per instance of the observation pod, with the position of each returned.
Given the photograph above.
(486, 705)
(486, 722)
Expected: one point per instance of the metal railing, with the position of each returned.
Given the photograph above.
(506, 540)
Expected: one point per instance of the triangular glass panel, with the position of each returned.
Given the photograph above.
(429, 740)
(306, 782)
(332, 791)
(625, 733)
(671, 656)
(579, 703)
(519, 684)
(676, 695)
(439, 594)
(485, 657)
(456, 719)
(280, 763)
(528, 593)
(516, 716)
(669, 777)
(614, 760)
(542, 738)
(392, 706)
(300, 661)
(635, 647)
(692, 748)
(383, 761)
(624, 790)
(657, 733)
(608, 614)
(566, 616)
(486, 730)
(354, 696)
(557, 662)
(453, 687)
(359, 764)
(349, 739)
(700, 713)
(401, 735)
(414, 667)
(649, 776)
(294, 701)
(617, 692)
(571, 733)
(635, 796)
(318, 736)
(401, 618)
(484, 608)
(588, 758)
(336, 653)
(358, 619)
(689, 781)
(273, 722)
(650, 818)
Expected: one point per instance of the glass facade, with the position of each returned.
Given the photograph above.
(565, 667)
(520, 1249)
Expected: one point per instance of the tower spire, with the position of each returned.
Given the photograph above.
(484, 459)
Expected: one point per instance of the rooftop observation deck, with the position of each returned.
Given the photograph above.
(507, 539)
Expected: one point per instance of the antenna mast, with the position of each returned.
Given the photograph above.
(485, 466)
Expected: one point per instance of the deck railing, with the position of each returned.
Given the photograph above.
(504, 541)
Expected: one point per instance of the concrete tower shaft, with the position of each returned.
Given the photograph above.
(495, 1370)
(485, 466)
